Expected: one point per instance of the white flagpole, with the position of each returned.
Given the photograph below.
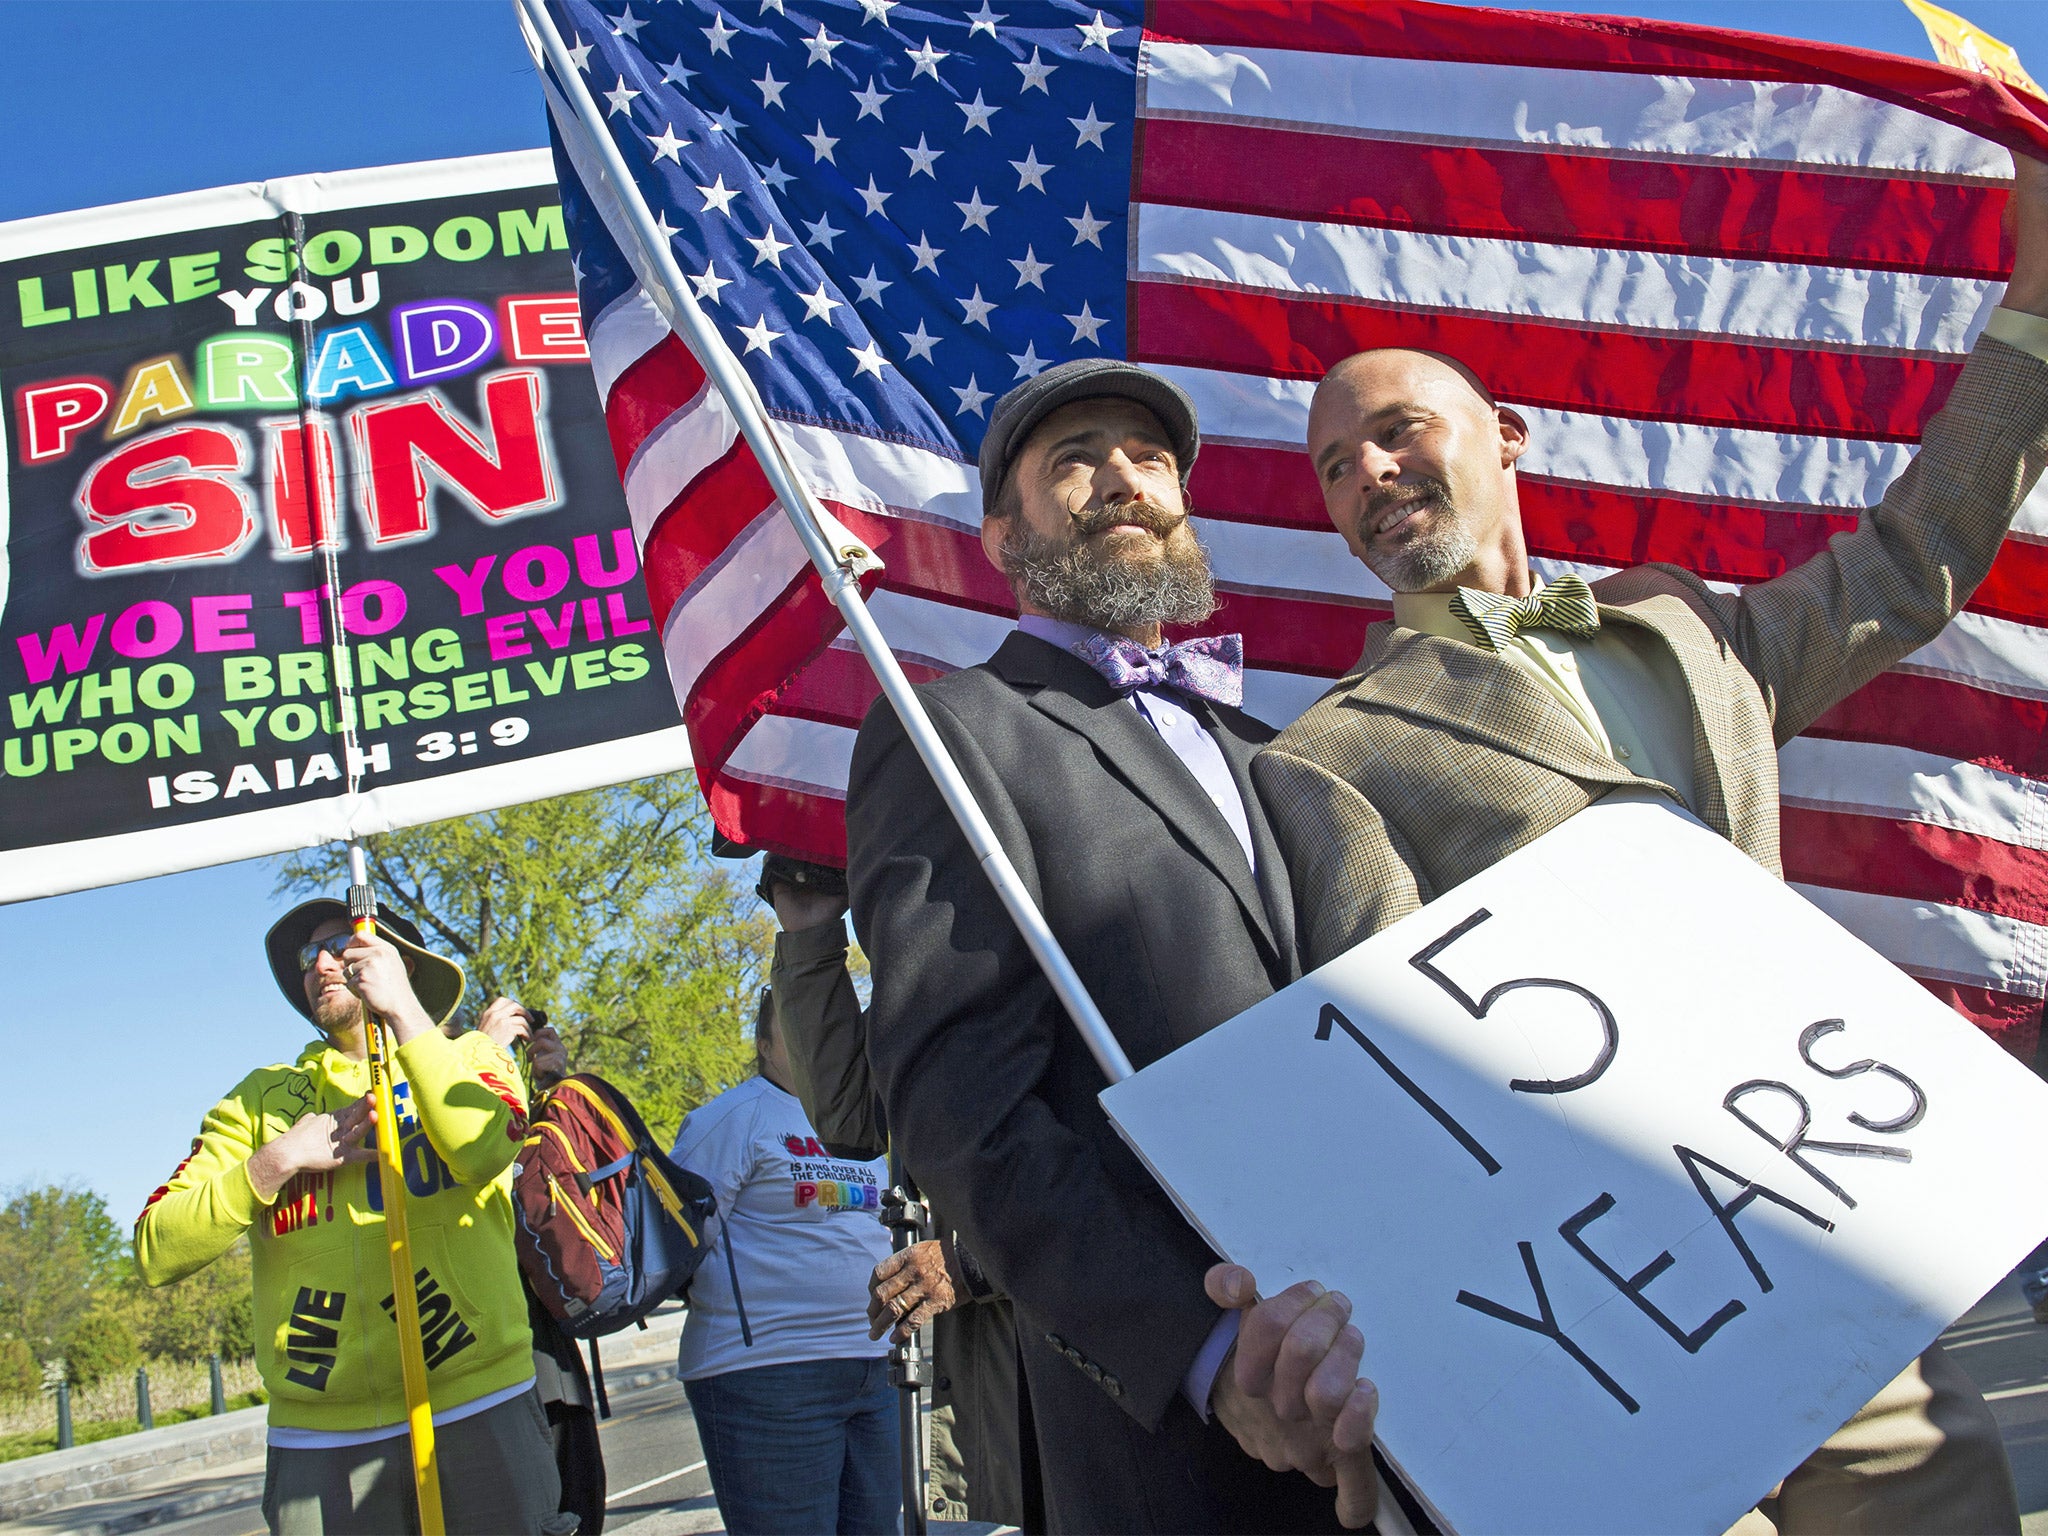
(839, 557)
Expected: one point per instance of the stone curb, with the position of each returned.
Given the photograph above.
(177, 1507)
(107, 1468)
(36, 1485)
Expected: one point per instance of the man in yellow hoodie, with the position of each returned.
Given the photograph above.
(284, 1158)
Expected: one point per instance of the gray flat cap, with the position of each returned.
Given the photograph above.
(1085, 378)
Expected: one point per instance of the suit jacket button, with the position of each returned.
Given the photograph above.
(1091, 1370)
(1056, 1342)
(1111, 1385)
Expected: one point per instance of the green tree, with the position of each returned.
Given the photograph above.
(101, 1345)
(59, 1254)
(193, 1317)
(235, 1336)
(605, 909)
(21, 1373)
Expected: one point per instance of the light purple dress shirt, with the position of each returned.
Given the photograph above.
(1203, 758)
(1179, 729)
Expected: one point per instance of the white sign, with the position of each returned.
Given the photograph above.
(1643, 1174)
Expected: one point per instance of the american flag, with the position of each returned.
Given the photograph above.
(1725, 277)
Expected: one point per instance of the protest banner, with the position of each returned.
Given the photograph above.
(1643, 1174)
(190, 382)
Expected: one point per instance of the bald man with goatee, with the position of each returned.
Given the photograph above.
(1494, 707)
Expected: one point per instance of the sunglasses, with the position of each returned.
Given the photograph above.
(334, 944)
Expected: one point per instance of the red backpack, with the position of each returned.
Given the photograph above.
(609, 1228)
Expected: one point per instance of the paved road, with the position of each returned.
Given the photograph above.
(2006, 1353)
(652, 1461)
(659, 1487)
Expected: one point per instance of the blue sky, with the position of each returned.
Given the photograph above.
(126, 1011)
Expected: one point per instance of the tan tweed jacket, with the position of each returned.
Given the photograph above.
(1435, 759)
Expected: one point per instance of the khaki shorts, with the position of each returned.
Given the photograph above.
(497, 1478)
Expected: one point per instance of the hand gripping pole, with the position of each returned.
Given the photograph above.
(840, 559)
(362, 908)
(907, 1216)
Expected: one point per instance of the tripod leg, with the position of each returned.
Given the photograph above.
(909, 1368)
(910, 1427)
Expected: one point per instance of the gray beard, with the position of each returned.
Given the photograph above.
(1432, 558)
(1076, 583)
(1429, 561)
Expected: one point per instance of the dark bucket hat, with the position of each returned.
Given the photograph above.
(1084, 378)
(437, 982)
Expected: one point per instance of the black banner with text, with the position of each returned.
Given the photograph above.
(232, 413)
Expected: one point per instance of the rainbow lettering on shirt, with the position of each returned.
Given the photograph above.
(833, 1195)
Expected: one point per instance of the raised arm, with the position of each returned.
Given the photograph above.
(819, 1015)
(466, 1092)
(1881, 591)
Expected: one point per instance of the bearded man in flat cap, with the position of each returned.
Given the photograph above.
(1116, 772)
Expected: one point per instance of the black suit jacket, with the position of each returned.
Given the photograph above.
(991, 1094)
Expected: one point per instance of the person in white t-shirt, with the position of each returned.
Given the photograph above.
(792, 1398)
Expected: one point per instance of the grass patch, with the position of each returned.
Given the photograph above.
(87, 1432)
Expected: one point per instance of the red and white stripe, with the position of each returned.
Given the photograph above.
(1726, 279)
(1726, 299)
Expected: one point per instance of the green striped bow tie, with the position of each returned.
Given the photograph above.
(1494, 619)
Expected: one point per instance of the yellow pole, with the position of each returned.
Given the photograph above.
(362, 905)
(412, 1359)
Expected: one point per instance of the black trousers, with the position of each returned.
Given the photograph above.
(580, 1461)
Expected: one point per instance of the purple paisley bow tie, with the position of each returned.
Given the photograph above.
(1211, 667)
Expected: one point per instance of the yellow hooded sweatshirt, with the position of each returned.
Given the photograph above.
(326, 1341)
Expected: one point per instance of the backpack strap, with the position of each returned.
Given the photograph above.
(604, 1402)
(608, 1105)
(733, 1274)
(584, 1181)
